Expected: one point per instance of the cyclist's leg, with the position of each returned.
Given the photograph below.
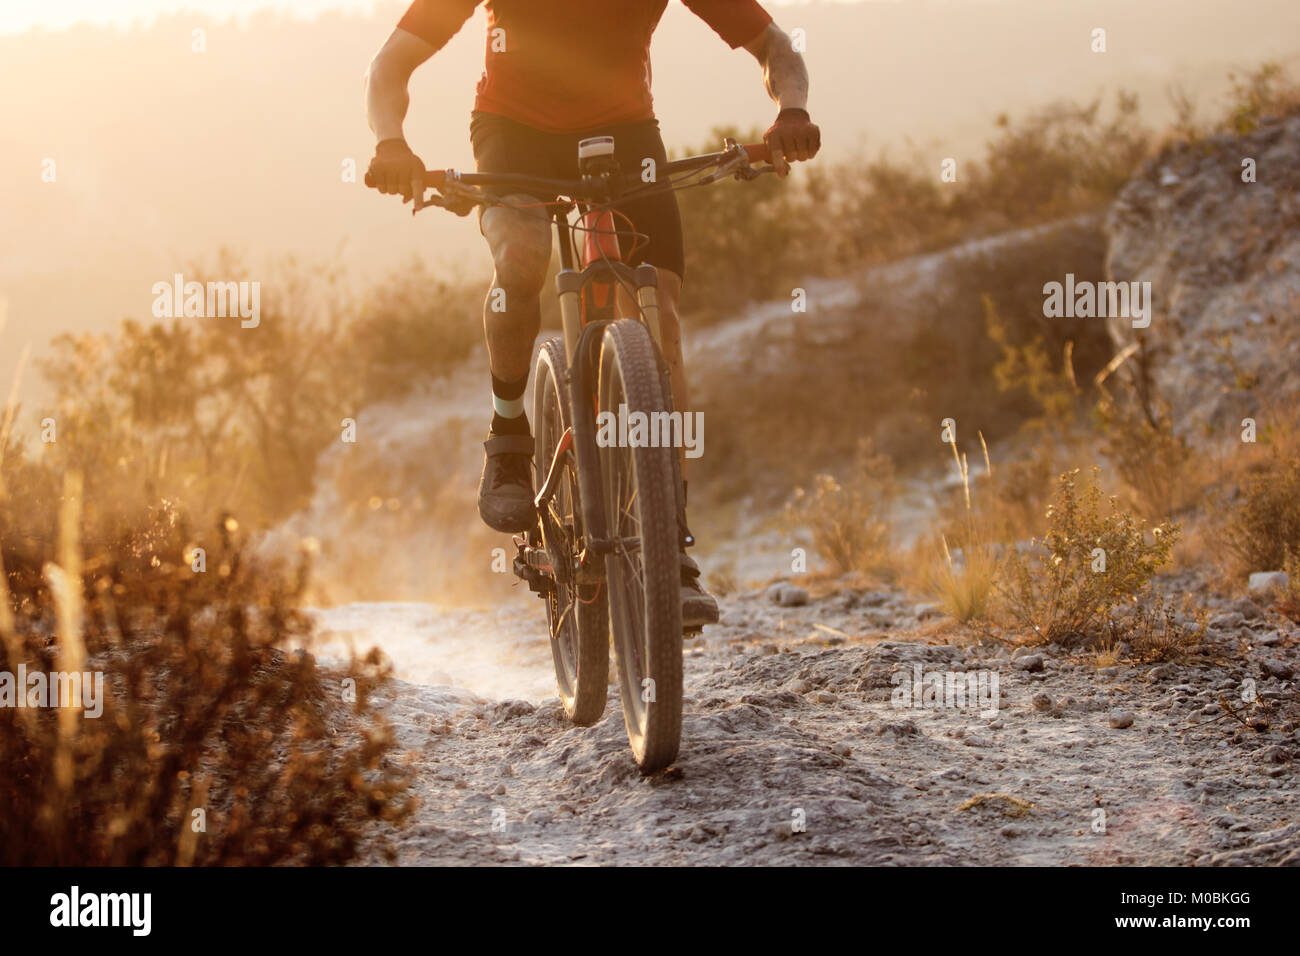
(519, 239)
(520, 242)
(670, 332)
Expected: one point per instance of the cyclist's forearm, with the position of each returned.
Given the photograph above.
(386, 101)
(784, 71)
(387, 80)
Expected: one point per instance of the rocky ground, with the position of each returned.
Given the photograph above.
(797, 750)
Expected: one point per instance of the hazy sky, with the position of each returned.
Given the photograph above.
(165, 156)
(17, 16)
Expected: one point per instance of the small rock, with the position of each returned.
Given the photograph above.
(822, 697)
(1229, 620)
(1273, 754)
(512, 709)
(791, 596)
(1119, 719)
(1269, 639)
(1248, 608)
(1279, 669)
(1030, 662)
(905, 728)
(798, 686)
(783, 829)
(769, 649)
(842, 749)
(1264, 582)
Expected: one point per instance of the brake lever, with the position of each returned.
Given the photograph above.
(736, 164)
(444, 197)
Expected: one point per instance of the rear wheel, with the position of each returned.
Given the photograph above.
(576, 611)
(643, 573)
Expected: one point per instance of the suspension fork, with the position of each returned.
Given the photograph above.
(582, 415)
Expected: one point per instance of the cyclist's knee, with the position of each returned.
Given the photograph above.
(521, 249)
(521, 265)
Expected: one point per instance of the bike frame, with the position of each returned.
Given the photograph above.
(588, 295)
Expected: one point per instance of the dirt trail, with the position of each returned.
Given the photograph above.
(793, 752)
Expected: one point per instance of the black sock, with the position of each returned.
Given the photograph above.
(507, 397)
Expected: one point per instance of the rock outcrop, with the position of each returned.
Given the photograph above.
(1223, 257)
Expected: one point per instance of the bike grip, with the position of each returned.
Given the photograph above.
(435, 178)
(758, 153)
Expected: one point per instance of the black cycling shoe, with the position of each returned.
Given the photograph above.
(698, 606)
(505, 494)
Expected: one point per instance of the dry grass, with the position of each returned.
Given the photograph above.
(847, 518)
(964, 587)
(1008, 805)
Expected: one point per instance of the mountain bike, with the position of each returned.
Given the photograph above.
(604, 554)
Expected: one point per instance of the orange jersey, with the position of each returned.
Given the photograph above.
(568, 65)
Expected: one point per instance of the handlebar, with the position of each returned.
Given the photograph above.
(578, 188)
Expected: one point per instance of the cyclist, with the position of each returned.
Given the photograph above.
(558, 71)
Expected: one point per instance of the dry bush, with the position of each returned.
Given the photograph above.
(1264, 529)
(203, 708)
(1156, 465)
(1289, 600)
(1055, 589)
(1264, 92)
(1156, 630)
(846, 518)
(213, 416)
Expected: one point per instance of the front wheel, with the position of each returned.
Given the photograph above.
(575, 609)
(643, 571)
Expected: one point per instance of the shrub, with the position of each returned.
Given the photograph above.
(846, 519)
(1264, 530)
(204, 708)
(1063, 588)
(1156, 630)
(1154, 462)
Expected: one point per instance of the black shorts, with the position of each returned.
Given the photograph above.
(502, 145)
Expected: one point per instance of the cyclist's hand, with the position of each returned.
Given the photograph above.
(794, 136)
(395, 170)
